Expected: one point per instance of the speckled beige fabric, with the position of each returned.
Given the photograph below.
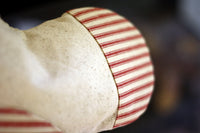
(87, 71)
(58, 72)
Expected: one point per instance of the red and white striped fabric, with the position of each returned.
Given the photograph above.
(19, 121)
(127, 56)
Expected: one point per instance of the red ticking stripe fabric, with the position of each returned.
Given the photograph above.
(19, 121)
(128, 58)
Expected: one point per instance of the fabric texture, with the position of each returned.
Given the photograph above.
(58, 72)
(84, 72)
(14, 120)
(128, 57)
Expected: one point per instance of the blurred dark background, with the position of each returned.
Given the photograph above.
(172, 31)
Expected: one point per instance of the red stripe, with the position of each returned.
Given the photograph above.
(100, 16)
(134, 90)
(135, 100)
(121, 41)
(86, 11)
(130, 81)
(130, 70)
(126, 60)
(103, 25)
(118, 41)
(124, 50)
(24, 124)
(132, 112)
(12, 111)
(110, 33)
(125, 123)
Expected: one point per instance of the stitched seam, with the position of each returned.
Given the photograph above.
(107, 64)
